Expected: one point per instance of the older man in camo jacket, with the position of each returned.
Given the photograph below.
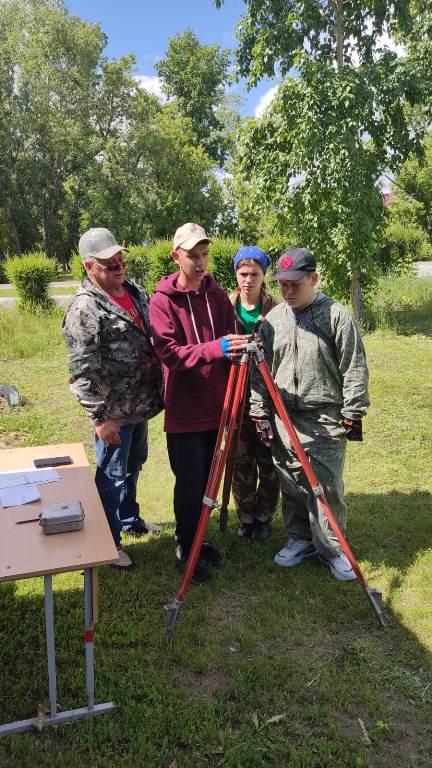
(115, 376)
(317, 359)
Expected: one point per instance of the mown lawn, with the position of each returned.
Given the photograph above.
(268, 667)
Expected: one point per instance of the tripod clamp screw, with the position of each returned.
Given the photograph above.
(318, 490)
(252, 347)
(212, 503)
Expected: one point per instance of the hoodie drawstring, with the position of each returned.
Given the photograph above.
(193, 318)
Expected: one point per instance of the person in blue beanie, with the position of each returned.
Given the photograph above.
(255, 482)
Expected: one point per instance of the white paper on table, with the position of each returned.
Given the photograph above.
(19, 494)
(24, 476)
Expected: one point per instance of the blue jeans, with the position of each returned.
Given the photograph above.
(118, 467)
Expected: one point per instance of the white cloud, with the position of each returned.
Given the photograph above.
(152, 84)
(265, 100)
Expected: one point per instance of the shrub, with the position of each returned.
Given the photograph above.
(159, 263)
(222, 251)
(136, 259)
(31, 274)
(404, 243)
(76, 266)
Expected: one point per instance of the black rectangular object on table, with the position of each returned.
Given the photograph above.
(54, 461)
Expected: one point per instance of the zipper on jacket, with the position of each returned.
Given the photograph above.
(295, 376)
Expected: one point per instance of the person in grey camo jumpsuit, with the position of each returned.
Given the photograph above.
(317, 360)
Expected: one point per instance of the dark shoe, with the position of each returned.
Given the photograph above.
(245, 530)
(124, 562)
(261, 531)
(210, 554)
(140, 528)
(201, 575)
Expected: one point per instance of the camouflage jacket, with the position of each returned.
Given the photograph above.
(317, 359)
(114, 371)
(267, 303)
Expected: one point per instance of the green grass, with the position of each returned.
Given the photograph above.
(402, 303)
(268, 667)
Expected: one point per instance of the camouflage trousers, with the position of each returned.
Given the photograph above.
(255, 481)
(324, 441)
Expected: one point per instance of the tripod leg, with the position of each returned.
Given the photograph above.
(223, 515)
(372, 595)
(236, 384)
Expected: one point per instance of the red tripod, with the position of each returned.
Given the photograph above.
(233, 407)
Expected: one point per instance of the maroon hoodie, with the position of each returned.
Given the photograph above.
(187, 326)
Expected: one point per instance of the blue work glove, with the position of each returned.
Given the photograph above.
(225, 345)
(233, 346)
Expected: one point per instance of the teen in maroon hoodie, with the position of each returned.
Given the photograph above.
(192, 320)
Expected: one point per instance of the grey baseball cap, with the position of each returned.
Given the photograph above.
(98, 243)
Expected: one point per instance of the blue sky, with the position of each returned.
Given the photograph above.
(143, 28)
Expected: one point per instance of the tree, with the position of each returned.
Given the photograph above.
(413, 188)
(333, 129)
(195, 76)
(82, 145)
(49, 77)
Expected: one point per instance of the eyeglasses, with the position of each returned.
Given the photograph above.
(111, 267)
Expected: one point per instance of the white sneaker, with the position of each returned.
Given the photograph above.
(340, 567)
(294, 551)
(124, 562)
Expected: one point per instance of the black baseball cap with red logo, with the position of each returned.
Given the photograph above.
(294, 264)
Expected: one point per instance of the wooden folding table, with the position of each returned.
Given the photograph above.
(26, 552)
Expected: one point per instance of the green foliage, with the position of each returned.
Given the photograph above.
(403, 244)
(136, 260)
(195, 75)
(83, 144)
(413, 190)
(31, 275)
(308, 156)
(160, 263)
(48, 71)
(221, 254)
(406, 210)
(76, 266)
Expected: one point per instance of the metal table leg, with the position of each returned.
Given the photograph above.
(57, 718)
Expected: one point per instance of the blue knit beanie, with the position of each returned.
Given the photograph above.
(252, 252)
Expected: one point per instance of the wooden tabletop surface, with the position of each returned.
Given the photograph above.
(25, 551)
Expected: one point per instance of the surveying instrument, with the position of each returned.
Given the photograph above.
(232, 414)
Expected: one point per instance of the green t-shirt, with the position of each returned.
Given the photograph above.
(249, 317)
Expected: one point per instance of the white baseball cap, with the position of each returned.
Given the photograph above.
(188, 236)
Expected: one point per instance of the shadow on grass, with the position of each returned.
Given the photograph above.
(390, 528)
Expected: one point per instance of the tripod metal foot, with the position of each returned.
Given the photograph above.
(172, 612)
(375, 598)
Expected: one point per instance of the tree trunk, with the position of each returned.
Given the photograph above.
(50, 207)
(339, 33)
(14, 229)
(357, 299)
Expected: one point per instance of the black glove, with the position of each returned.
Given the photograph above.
(353, 429)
